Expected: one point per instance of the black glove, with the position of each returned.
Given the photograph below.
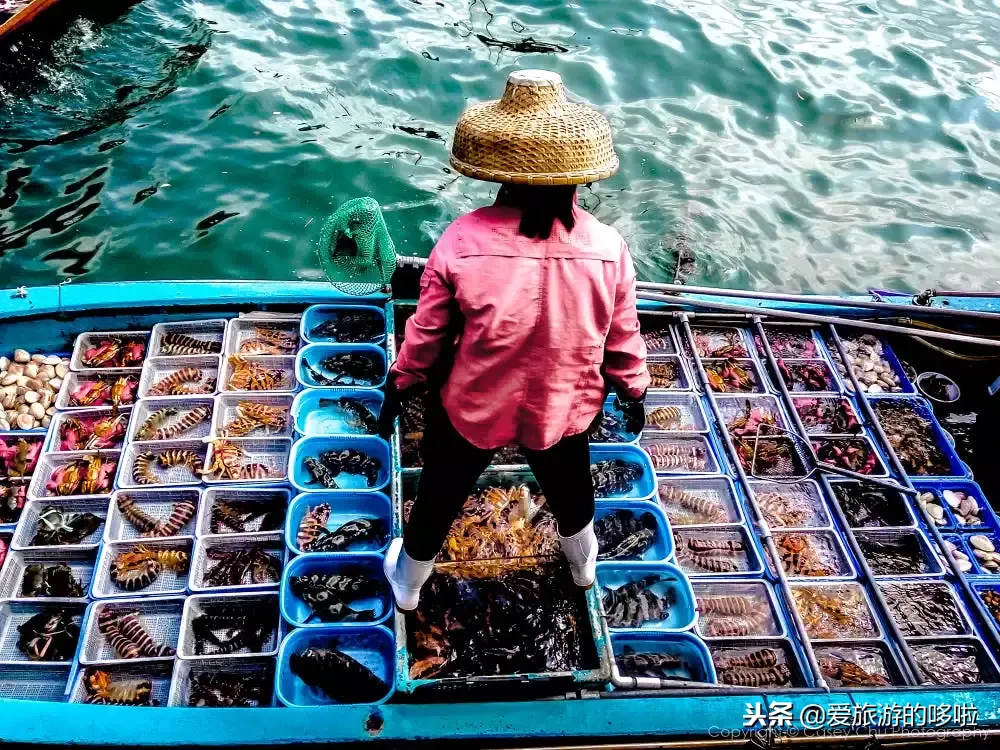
(392, 407)
(633, 411)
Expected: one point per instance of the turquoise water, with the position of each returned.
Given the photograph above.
(823, 145)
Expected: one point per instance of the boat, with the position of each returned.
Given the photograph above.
(711, 363)
(11, 23)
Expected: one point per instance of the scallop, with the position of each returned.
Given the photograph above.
(954, 499)
(982, 543)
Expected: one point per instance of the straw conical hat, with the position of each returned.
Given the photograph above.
(534, 136)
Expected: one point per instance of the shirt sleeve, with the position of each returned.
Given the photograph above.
(428, 327)
(624, 349)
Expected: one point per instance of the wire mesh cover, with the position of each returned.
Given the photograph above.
(355, 249)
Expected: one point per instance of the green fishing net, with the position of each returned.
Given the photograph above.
(355, 249)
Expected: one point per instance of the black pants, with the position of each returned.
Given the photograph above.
(452, 465)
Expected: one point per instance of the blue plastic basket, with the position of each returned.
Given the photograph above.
(313, 446)
(681, 615)
(957, 468)
(311, 419)
(374, 647)
(313, 354)
(644, 487)
(662, 547)
(300, 615)
(318, 314)
(344, 507)
(990, 522)
(887, 353)
(620, 435)
(696, 661)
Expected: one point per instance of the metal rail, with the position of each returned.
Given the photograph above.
(985, 617)
(911, 668)
(763, 529)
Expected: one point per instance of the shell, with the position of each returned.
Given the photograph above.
(982, 543)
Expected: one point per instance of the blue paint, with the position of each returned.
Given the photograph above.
(344, 507)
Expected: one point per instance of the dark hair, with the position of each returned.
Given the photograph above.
(540, 206)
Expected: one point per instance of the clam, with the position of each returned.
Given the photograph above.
(954, 499)
(982, 543)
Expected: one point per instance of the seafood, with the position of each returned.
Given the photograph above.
(730, 615)
(103, 689)
(253, 376)
(962, 560)
(752, 421)
(769, 457)
(354, 327)
(3, 551)
(143, 471)
(786, 343)
(787, 508)
(412, 423)
(58, 527)
(237, 516)
(614, 477)
(350, 368)
(169, 423)
(846, 671)
(711, 554)
(658, 341)
(338, 675)
(866, 356)
(676, 455)
(508, 617)
(141, 566)
(183, 382)
(665, 374)
(84, 476)
(806, 376)
(912, 437)
(230, 461)
(684, 507)
(731, 376)
(897, 555)
(180, 513)
(964, 507)
(180, 344)
(358, 531)
(759, 659)
(223, 629)
(50, 581)
(854, 454)
(985, 550)
(358, 416)
(19, 456)
(771, 676)
(330, 595)
(948, 664)
(113, 351)
(331, 464)
(270, 340)
(237, 689)
(665, 418)
(870, 507)
(635, 603)
(313, 522)
(992, 601)
(924, 609)
(832, 415)
(247, 566)
(719, 343)
(764, 667)
(611, 429)
(621, 535)
(94, 434)
(834, 611)
(50, 635)
(125, 634)
(252, 416)
(103, 390)
(809, 555)
(635, 664)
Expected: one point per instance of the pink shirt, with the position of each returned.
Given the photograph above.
(546, 321)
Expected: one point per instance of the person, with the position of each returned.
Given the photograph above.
(526, 315)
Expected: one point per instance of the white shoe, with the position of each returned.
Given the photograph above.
(581, 552)
(406, 575)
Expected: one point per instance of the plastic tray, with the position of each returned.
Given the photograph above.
(158, 503)
(160, 617)
(887, 355)
(13, 615)
(270, 452)
(157, 369)
(908, 589)
(182, 405)
(53, 438)
(767, 623)
(29, 436)
(184, 670)
(988, 671)
(814, 514)
(793, 468)
(690, 416)
(83, 342)
(176, 476)
(878, 471)
(759, 381)
(239, 330)
(49, 462)
(712, 342)
(261, 495)
(900, 508)
(930, 558)
(695, 454)
(158, 672)
(981, 587)
(796, 386)
(614, 433)
(209, 331)
(319, 314)
(35, 683)
(653, 323)
(735, 405)
(722, 648)
(312, 419)
(226, 410)
(272, 544)
(313, 446)
(923, 408)
(821, 540)
(645, 485)
(28, 525)
(875, 657)
(696, 662)
(81, 562)
(167, 583)
(865, 626)
(344, 507)
(747, 562)
(718, 491)
(802, 401)
(988, 516)
(313, 354)
(286, 365)
(371, 646)
(662, 546)
(200, 604)
(300, 614)
(803, 332)
(977, 566)
(682, 381)
(75, 379)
